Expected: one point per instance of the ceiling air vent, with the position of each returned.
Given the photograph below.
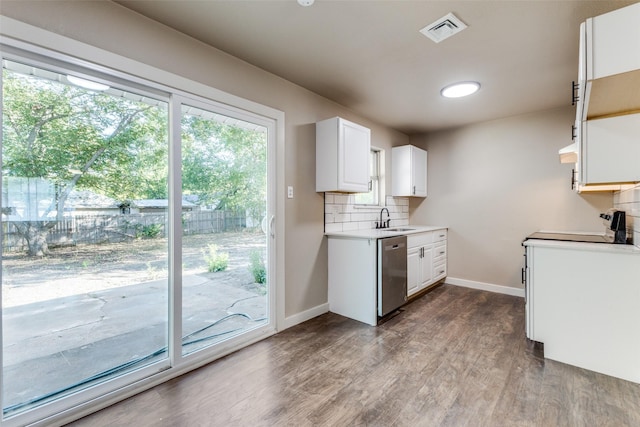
(443, 28)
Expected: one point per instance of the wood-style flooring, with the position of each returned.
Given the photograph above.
(454, 357)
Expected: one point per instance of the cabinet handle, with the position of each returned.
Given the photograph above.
(573, 132)
(441, 272)
(573, 179)
(414, 190)
(574, 93)
(441, 252)
(522, 277)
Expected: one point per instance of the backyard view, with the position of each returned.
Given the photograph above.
(90, 233)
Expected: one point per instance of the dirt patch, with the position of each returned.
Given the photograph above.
(80, 269)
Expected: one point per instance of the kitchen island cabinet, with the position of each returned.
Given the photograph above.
(583, 304)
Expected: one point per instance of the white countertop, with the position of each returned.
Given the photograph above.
(585, 246)
(381, 233)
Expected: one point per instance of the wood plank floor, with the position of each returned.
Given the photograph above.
(454, 357)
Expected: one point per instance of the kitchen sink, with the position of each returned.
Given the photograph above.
(397, 229)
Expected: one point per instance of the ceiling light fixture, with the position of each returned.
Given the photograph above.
(458, 90)
(305, 3)
(87, 84)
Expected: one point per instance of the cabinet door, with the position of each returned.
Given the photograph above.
(611, 47)
(611, 150)
(408, 171)
(426, 269)
(353, 157)
(413, 270)
(342, 156)
(419, 172)
(613, 42)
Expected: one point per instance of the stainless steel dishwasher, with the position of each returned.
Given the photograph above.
(392, 274)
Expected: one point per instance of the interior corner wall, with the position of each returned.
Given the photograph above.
(495, 182)
(111, 27)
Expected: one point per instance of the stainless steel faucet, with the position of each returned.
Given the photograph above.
(384, 224)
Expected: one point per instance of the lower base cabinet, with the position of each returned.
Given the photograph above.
(583, 303)
(353, 279)
(426, 259)
(353, 271)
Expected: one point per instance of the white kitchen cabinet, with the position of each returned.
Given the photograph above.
(610, 74)
(606, 147)
(611, 150)
(439, 255)
(414, 270)
(426, 259)
(582, 303)
(408, 171)
(353, 279)
(342, 156)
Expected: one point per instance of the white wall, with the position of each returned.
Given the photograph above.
(493, 183)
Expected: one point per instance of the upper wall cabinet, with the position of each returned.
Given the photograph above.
(611, 150)
(408, 171)
(609, 72)
(342, 156)
(606, 148)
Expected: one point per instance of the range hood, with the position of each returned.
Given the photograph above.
(569, 154)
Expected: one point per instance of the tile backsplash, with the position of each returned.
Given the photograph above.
(629, 201)
(342, 214)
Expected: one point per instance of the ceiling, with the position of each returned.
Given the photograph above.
(370, 56)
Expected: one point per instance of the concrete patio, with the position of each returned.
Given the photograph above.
(52, 344)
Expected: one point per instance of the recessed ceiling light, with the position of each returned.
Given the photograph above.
(305, 2)
(87, 84)
(458, 90)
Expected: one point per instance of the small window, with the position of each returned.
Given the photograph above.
(372, 197)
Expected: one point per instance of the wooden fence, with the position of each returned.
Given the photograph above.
(96, 229)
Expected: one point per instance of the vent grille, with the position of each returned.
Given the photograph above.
(443, 28)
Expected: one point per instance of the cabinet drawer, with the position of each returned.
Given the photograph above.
(439, 252)
(439, 270)
(420, 239)
(440, 235)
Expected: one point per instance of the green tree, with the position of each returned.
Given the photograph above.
(73, 137)
(115, 145)
(224, 165)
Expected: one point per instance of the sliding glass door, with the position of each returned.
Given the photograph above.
(137, 235)
(224, 248)
(84, 248)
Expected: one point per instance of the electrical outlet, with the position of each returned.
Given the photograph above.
(290, 192)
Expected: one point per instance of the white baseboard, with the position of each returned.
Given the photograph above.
(508, 290)
(305, 315)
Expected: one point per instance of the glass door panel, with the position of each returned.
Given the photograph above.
(224, 241)
(84, 246)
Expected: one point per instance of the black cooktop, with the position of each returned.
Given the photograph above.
(571, 237)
